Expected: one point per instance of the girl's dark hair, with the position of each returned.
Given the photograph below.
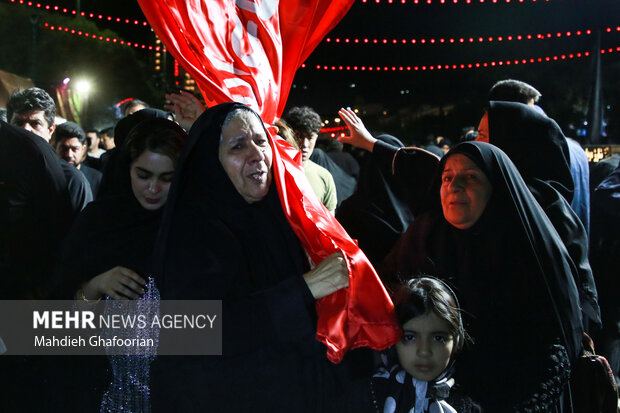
(419, 296)
(159, 135)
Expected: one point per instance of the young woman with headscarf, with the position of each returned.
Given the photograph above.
(110, 162)
(109, 252)
(233, 232)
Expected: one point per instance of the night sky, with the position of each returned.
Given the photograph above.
(391, 91)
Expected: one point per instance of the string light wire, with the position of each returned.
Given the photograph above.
(476, 65)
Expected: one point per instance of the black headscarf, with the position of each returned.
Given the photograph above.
(534, 142)
(605, 246)
(539, 150)
(260, 229)
(125, 125)
(377, 213)
(114, 165)
(514, 280)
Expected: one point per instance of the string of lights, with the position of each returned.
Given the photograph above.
(452, 1)
(373, 41)
(478, 39)
(96, 16)
(495, 63)
(144, 23)
(106, 39)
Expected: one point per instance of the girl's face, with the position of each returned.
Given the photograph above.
(151, 174)
(426, 346)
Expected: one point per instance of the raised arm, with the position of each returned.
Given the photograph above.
(186, 108)
(360, 137)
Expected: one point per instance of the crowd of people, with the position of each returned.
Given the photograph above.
(498, 252)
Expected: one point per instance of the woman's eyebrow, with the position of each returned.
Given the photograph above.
(236, 139)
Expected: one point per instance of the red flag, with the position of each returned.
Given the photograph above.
(248, 51)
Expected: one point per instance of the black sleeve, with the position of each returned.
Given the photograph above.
(413, 169)
(78, 186)
(575, 239)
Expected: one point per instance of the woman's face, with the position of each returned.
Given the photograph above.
(245, 155)
(151, 174)
(465, 191)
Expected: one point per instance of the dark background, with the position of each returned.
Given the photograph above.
(409, 104)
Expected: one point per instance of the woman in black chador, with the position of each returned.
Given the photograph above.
(108, 254)
(538, 148)
(225, 237)
(483, 231)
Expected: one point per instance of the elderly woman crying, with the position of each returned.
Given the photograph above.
(226, 237)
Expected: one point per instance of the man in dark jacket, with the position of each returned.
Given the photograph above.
(72, 146)
(34, 110)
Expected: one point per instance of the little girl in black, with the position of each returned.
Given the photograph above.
(416, 378)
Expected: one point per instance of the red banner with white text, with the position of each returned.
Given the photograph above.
(244, 50)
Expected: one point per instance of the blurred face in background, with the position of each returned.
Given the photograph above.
(306, 142)
(107, 141)
(71, 150)
(483, 128)
(94, 141)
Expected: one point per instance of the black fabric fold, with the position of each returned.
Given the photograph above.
(376, 214)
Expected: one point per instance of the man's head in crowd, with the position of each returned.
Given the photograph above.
(306, 125)
(32, 109)
(508, 90)
(71, 143)
(133, 106)
(107, 138)
(92, 136)
(511, 90)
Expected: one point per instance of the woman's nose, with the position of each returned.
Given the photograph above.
(456, 184)
(257, 153)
